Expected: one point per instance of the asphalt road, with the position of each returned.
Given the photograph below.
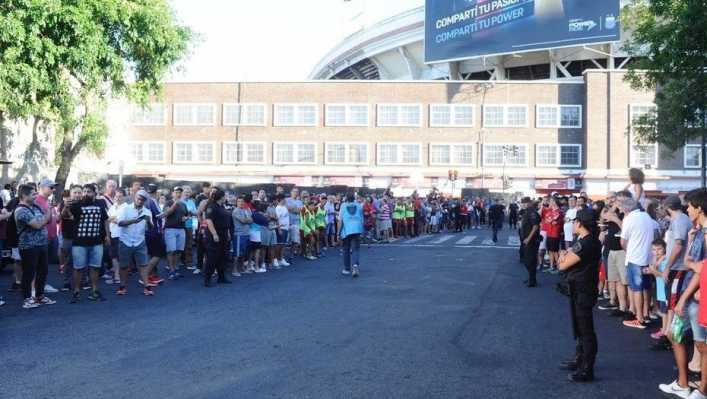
(424, 320)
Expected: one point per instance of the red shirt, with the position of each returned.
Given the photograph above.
(51, 226)
(552, 220)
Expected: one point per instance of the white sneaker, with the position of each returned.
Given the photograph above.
(1, 302)
(30, 303)
(235, 274)
(345, 272)
(46, 301)
(696, 394)
(261, 270)
(275, 263)
(196, 271)
(675, 389)
(283, 262)
(49, 289)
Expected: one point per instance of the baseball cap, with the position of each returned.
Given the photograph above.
(178, 188)
(152, 188)
(673, 202)
(143, 194)
(47, 183)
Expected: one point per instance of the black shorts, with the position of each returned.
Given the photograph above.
(155, 247)
(114, 247)
(552, 244)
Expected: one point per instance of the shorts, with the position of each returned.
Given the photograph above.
(267, 237)
(637, 281)
(128, 256)
(282, 236)
(174, 240)
(553, 244)
(155, 247)
(66, 244)
(616, 267)
(87, 256)
(386, 224)
(295, 234)
(543, 243)
(240, 245)
(114, 247)
(699, 333)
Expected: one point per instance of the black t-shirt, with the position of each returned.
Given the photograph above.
(586, 272)
(68, 227)
(89, 223)
(220, 217)
(513, 208)
(175, 219)
(496, 212)
(612, 230)
(530, 218)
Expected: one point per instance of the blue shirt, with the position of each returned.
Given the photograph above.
(191, 207)
(27, 236)
(351, 215)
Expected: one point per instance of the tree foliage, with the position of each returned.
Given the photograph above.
(63, 59)
(670, 36)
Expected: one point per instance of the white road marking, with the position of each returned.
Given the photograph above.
(416, 239)
(488, 241)
(441, 239)
(514, 241)
(466, 240)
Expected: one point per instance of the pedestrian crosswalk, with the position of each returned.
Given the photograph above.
(467, 239)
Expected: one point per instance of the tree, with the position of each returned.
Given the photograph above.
(64, 59)
(670, 38)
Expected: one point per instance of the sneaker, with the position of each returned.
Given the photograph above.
(49, 289)
(191, 267)
(172, 276)
(29, 303)
(675, 389)
(196, 271)
(46, 301)
(657, 335)
(696, 394)
(608, 306)
(345, 272)
(275, 264)
(75, 297)
(276, 267)
(149, 283)
(310, 257)
(110, 281)
(96, 296)
(653, 316)
(66, 287)
(148, 292)
(354, 271)
(261, 270)
(235, 274)
(156, 279)
(283, 262)
(122, 291)
(106, 276)
(1, 301)
(634, 324)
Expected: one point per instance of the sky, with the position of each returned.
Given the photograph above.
(270, 40)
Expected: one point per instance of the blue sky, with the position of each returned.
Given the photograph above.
(256, 40)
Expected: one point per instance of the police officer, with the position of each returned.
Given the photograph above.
(530, 236)
(581, 263)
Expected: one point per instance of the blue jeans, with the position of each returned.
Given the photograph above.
(87, 256)
(352, 248)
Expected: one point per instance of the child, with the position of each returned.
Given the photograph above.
(657, 268)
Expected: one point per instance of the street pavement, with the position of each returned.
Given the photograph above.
(431, 318)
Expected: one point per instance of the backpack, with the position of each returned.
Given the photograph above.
(13, 236)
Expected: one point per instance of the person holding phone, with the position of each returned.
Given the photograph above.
(134, 220)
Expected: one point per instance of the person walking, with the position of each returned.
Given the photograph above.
(581, 263)
(496, 216)
(351, 218)
(530, 238)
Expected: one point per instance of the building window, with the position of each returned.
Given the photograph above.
(399, 153)
(347, 153)
(294, 153)
(505, 115)
(513, 155)
(243, 152)
(451, 115)
(193, 152)
(558, 155)
(558, 116)
(402, 115)
(346, 114)
(693, 156)
(295, 115)
(193, 114)
(644, 155)
(451, 154)
(244, 114)
(152, 115)
(147, 152)
(638, 111)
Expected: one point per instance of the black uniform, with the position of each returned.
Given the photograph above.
(583, 279)
(217, 252)
(531, 218)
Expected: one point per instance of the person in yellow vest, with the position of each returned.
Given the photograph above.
(409, 217)
(399, 218)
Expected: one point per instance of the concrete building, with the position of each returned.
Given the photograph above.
(537, 136)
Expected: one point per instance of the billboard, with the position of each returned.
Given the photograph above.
(459, 29)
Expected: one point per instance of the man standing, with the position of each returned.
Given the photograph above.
(637, 234)
(616, 259)
(155, 240)
(189, 228)
(134, 221)
(294, 205)
(89, 216)
(174, 236)
(45, 201)
(530, 237)
(68, 232)
(496, 215)
(351, 218)
(242, 219)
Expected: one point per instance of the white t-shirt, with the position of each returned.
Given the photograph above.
(134, 234)
(283, 217)
(568, 227)
(638, 229)
(113, 212)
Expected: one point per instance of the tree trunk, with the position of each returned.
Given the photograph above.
(4, 147)
(66, 158)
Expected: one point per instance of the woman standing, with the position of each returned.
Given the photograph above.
(218, 237)
(637, 178)
(351, 217)
(554, 223)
